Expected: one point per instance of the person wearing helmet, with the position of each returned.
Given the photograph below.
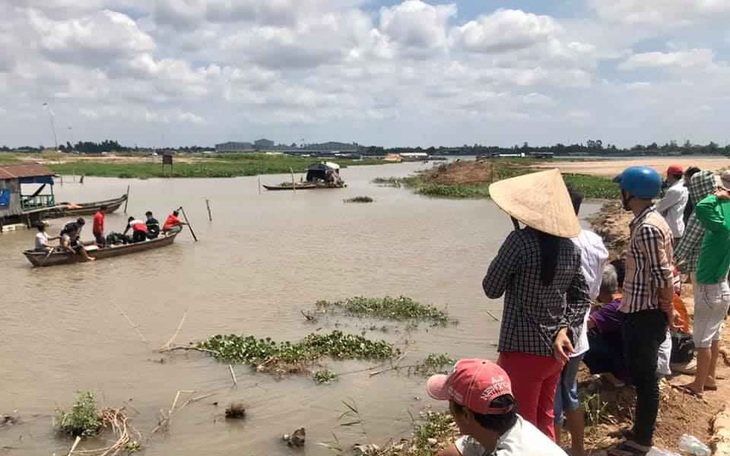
(672, 205)
(647, 299)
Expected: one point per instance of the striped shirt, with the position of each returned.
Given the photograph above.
(533, 312)
(648, 264)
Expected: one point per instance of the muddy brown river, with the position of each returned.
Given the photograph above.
(263, 259)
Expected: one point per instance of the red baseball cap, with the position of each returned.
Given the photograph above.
(474, 384)
(674, 170)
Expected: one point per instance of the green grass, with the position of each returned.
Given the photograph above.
(232, 165)
(399, 309)
(593, 187)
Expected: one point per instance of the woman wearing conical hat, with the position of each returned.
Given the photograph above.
(538, 270)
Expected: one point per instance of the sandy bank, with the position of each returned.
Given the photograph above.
(610, 168)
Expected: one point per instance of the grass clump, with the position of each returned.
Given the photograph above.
(435, 363)
(400, 309)
(83, 420)
(325, 376)
(359, 199)
(267, 355)
(388, 182)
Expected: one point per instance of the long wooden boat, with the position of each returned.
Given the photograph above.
(43, 259)
(302, 186)
(73, 210)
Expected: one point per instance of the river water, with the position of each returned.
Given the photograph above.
(263, 259)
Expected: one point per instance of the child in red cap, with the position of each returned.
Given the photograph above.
(481, 401)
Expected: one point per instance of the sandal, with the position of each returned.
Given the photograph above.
(629, 448)
(710, 387)
(687, 390)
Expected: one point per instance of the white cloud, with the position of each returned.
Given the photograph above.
(417, 27)
(693, 58)
(414, 72)
(506, 30)
(660, 12)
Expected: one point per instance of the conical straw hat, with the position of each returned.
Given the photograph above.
(540, 201)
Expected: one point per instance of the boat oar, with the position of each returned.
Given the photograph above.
(190, 227)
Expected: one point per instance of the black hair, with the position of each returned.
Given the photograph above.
(497, 423)
(691, 171)
(620, 266)
(130, 219)
(148, 213)
(175, 213)
(677, 176)
(81, 221)
(41, 226)
(549, 253)
(576, 197)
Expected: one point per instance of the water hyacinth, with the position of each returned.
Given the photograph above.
(270, 356)
(400, 309)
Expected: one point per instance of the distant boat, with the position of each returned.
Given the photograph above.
(303, 186)
(68, 209)
(43, 259)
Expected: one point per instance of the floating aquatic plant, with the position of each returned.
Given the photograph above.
(400, 309)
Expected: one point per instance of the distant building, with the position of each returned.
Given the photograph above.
(234, 147)
(18, 202)
(332, 146)
(263, 144)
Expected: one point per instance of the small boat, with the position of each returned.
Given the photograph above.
(320, 176)
(73, 210)
(43, 259)
(302, 186)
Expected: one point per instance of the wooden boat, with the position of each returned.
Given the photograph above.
(302, 186)
(73, 210)
(43, 259)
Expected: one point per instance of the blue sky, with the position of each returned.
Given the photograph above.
(390, 73)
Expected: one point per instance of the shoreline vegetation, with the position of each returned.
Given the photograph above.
(471, 179)
(185, 166)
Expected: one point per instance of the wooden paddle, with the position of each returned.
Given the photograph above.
(190, 227)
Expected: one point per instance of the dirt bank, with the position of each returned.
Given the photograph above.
(610, 168)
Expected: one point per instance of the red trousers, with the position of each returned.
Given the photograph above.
(534, 379)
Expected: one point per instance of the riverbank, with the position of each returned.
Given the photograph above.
(611, 168)
(471, 179)
(185, 166)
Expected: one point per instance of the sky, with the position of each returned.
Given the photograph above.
(169, 73)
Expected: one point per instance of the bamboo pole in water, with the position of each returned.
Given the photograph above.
(207, 204)
(190, 227)
(126, 200)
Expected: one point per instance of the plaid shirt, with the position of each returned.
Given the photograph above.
(533, 312)
(687, 252)
(648, 265)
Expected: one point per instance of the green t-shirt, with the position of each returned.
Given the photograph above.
(714, 214)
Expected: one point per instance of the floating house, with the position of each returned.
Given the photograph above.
(25, 189)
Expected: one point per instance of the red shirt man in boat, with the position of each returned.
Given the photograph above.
(98, 229)
(139, 229)
(172, 221)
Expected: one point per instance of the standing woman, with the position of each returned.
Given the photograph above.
(538, 270)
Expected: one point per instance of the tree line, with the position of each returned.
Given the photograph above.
(590, 147)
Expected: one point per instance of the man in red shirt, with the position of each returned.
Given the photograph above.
(98, 229)
(139, 229)
(172, 221)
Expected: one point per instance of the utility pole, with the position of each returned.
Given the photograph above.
(51, 115)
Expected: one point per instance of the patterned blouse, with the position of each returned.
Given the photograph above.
(533, 312)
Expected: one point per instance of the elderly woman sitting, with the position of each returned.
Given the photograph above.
(606, 354)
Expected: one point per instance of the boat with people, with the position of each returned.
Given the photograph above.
(55, 257)
(320, 176)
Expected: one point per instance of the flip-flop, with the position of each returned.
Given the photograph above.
(687, 390)
(629, 448)
(710, 387)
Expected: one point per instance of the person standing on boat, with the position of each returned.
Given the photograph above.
(172, 221)
(538, 270)
(98, 227)
(153, 226)
(139, 229)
